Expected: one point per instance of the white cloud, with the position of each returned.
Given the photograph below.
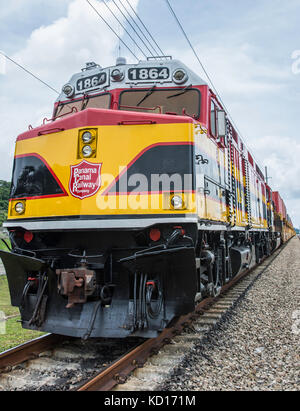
(282, 161)
(65, 45)
(53, 52)
(235, 69)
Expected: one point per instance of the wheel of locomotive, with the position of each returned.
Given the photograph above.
(217, 281)
(211, 280)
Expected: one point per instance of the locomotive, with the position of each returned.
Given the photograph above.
(135, 201)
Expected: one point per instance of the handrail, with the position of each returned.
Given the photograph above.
(135, 122)
(50, 130)
(74, 110)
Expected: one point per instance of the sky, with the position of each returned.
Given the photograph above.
(251, 50)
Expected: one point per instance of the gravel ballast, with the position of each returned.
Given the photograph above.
(256, 347)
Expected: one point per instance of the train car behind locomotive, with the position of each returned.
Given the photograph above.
(137, 199)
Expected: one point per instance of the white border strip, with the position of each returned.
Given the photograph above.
(133, 223)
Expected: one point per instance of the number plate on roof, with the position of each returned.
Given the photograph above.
(92, 81)
(149, 73)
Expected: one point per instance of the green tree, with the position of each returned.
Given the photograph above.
(4, 197)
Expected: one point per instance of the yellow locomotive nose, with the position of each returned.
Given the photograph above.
(127, 165)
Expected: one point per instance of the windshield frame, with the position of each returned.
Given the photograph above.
(157, 90)
(89, 96)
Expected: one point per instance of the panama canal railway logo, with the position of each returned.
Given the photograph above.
(85, 179)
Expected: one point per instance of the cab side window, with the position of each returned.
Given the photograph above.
(213, 119)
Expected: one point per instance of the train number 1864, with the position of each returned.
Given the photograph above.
(149, 73)
(91, 81)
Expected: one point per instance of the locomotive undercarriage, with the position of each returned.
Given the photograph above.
(102, 283)
(116, 284)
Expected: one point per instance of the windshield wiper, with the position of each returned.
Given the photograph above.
(85, 102)
(184, 90)
(150, 91)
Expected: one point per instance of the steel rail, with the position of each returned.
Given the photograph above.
(28, 350)
(118, 372)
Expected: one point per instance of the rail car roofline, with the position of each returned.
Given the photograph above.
(91, 117)
(162, 73)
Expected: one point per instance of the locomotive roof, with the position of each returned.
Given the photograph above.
(143, 74)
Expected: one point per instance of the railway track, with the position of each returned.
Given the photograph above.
(55, 362)
(28, 351)
(146, 367)
(58, 363)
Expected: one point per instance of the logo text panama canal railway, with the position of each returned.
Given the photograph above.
(85, 179)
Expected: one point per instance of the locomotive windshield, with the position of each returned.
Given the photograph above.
(99, 101)
(178, 101)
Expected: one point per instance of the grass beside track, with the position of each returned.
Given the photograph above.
(3, 246)
(5, 298)
(14, 334)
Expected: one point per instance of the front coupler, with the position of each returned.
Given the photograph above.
(150, 288)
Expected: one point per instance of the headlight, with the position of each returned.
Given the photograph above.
(68, 90)
(87, 137)
(87, 143)
(180, 76)
(117, 75)
(20, 208)
(87, 151)
(177, 202)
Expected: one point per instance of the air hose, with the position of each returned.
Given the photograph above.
(151, 286)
